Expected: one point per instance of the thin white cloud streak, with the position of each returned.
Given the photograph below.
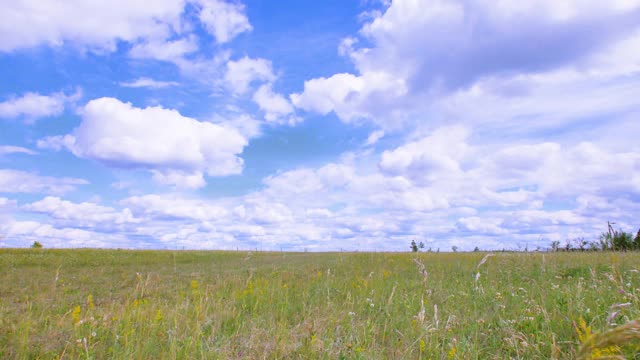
(18, 181)
(149, 83)
(11, 149)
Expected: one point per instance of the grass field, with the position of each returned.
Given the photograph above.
(116, 304)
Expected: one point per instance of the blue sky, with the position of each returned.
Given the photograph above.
(361, 125)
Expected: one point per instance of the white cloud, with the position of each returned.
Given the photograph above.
(175, 147)
(480, 225)
(165, 50)
(174, 207)
(17, 181)
(427, 53)
(243, 123)
(432, 158)
(181, 179)
(276, 107)
(242, 73)
(444, 43)
(149, 83)
(80, 214)
(496, 198)
(6, 203)
(374, 137)
(224, 20)
(24, 233)
(32, 106)
(165, 31)
(98, 25)
(350, 97)
(10, 149)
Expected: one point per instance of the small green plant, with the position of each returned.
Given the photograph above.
(36, 245)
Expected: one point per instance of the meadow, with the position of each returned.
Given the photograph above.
(120, 304)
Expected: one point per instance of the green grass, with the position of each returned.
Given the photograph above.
(115, 304)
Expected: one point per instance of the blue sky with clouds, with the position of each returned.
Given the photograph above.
(356, 125)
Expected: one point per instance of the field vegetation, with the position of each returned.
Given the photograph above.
(117, 304)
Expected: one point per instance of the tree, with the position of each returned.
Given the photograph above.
(636, 241)
(616, 240)
(606, 241)
(414, 246)
(622, 241)
(580, 243)
(36, 245)
(421, 245)
(555, 245)
(567, 246)
(454, 248)
(476, 249)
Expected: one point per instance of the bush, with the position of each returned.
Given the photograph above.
(36, 245)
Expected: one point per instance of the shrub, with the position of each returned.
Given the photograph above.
(36, 245)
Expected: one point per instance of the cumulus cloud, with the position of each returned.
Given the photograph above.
(476, 62)
(181, 179)
(435, 156)
(24, 233)
(240, 74)
(351, 97)
(172, 207)
(276, 107)
(6, 203)
(495, 197)
(97, 25)
(516, 77)
(80, 214)
(459, 42)
(177, 149)
(224, 20)
(32, 106)
(163, 32)
(17, 181)
(165, 50)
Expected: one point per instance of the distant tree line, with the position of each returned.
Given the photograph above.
(610, 240)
